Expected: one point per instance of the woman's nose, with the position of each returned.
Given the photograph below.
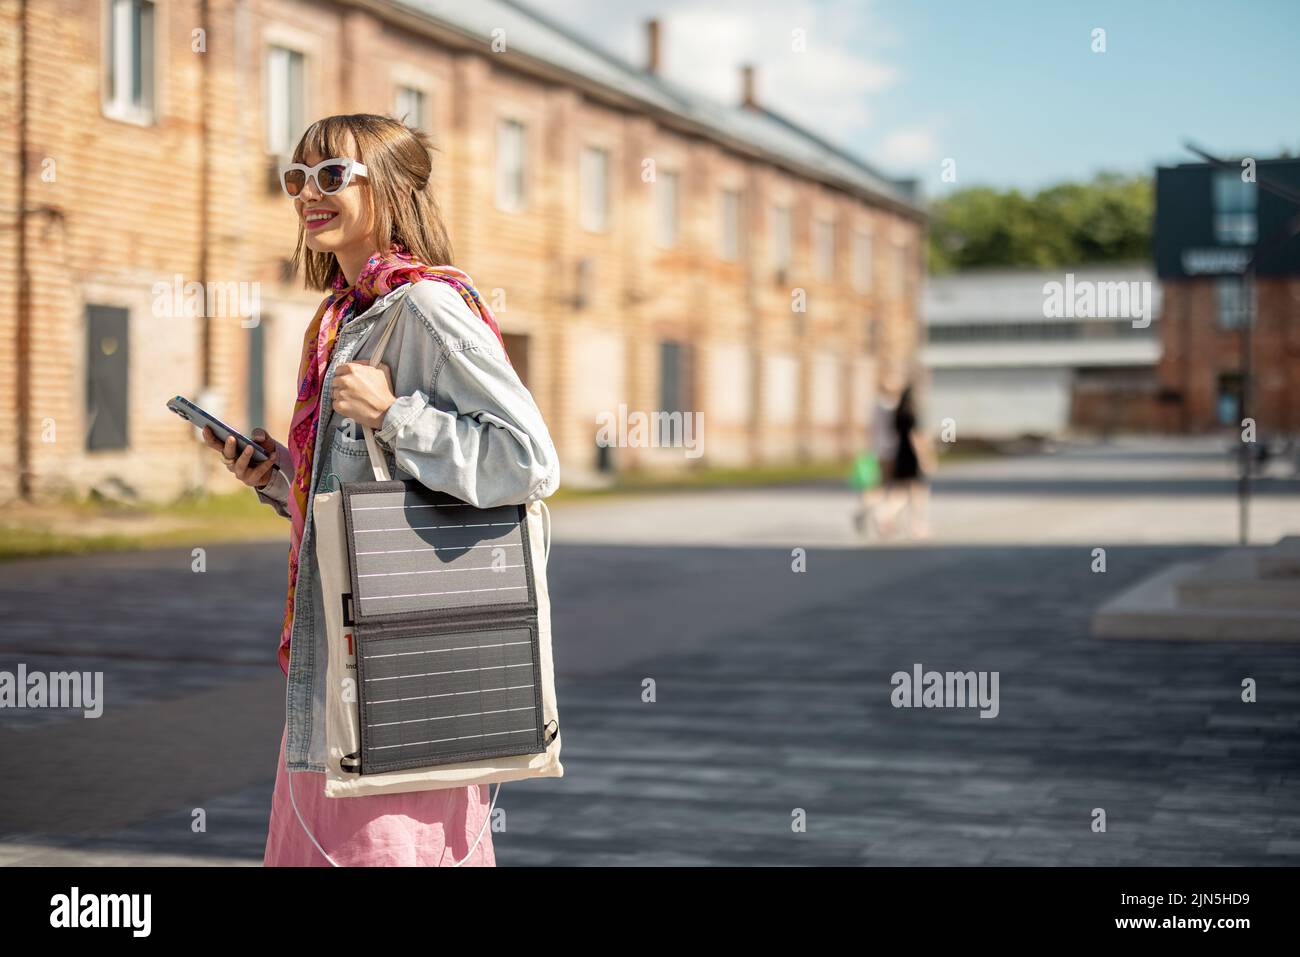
(309, 192)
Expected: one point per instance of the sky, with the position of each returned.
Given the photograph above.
(1011, 91)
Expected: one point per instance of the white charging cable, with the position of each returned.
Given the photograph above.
(333, 863)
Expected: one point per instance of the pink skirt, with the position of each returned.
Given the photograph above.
(415, 829)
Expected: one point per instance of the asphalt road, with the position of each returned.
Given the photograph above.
(772, 687)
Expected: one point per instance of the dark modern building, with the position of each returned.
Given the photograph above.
(1211, 223)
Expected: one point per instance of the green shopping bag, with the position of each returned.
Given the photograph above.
(865, 473)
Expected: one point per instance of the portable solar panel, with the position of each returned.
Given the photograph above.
(444, 615)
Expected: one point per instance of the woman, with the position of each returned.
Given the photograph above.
(913, 459)
(446, 408)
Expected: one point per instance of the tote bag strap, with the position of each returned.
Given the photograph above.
(378, 464)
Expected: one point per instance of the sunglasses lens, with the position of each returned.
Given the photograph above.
(294, 180)
(331, 177)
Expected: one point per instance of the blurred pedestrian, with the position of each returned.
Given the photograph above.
(883, 448)
(908, 484)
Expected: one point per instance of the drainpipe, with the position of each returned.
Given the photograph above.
(22, 350)
(205, 171)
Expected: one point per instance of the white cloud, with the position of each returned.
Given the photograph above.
(828, 87)
(909, 147)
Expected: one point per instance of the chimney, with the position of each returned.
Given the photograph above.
(652, 46)
(747, 86)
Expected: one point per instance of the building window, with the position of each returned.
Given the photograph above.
(129, 64)
(666, 189)
(875, 334)
(906, 274)
(824, 248)
(674, 376)
(861, 260)
(1231, 306)
(729, 239)
(594, 183)
(107, 366)
(1228, 404)
(900, 273)
(782, 244)
(411, 107)
(285, 92)
(674, 391)
(1235, 223)
(510, 165)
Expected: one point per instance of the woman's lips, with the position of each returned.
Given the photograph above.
(318, 219)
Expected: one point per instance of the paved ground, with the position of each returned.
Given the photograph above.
(773, 688)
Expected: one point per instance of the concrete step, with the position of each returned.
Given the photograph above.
(1281, 560)
(1151, 609)
(1232, 580)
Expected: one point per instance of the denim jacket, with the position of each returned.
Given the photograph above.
(463, 423)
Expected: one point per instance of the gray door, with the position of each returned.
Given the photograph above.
(107, 362)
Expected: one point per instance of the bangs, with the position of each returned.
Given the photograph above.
(325, 138)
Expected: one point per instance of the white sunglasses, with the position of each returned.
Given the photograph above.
(330, 176)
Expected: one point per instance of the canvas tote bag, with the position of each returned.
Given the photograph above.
(438, 624)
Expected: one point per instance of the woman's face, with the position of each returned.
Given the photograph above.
(338, 223)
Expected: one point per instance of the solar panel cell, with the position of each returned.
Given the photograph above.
(446, 628)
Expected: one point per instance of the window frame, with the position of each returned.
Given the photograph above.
(1229, 219)
(1240, 293)
(116, 107)
(277, 45)
(1228, 377)
(671, 204)
(862, 253)
(423, 118)
(520, 202)
(824, 252)
(729, 246)
(782, 237)
(585, 186)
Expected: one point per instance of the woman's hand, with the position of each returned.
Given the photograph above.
(363, 392)
(241, 466)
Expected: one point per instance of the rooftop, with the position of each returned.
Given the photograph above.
(533, 36)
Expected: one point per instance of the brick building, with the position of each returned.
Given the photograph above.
(641, 246)
(1209, 224)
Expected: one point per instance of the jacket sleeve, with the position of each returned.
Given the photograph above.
(473, 430)
(275, 492)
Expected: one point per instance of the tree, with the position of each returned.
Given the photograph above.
(1105, 220)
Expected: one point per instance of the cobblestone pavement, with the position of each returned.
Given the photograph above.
(772, 700)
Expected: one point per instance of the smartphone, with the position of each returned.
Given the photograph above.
(198, 418)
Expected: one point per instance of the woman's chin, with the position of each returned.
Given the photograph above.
(319, 244)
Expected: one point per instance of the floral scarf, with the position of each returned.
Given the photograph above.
(382, 274)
